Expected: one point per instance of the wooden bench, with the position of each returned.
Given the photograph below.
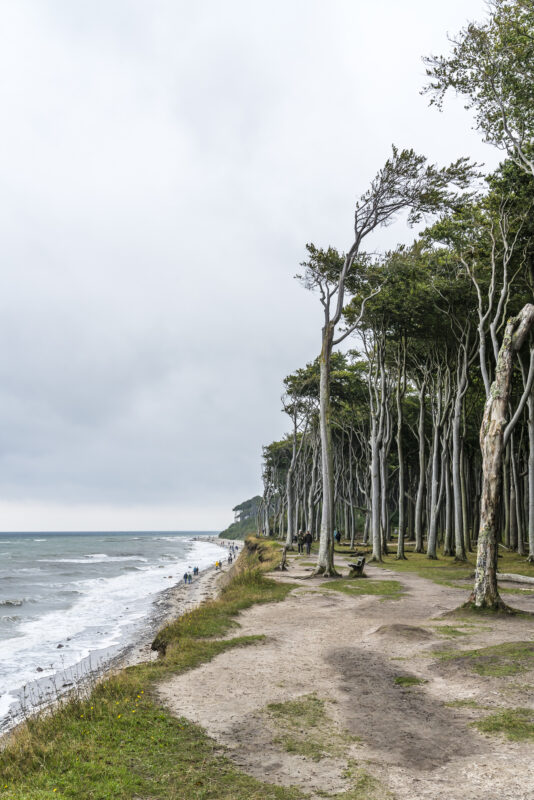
(356, 569)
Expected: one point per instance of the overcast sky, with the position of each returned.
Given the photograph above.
(162, 165)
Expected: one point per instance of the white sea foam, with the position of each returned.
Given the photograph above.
(92, 558)
(97, 618)
(6, 701)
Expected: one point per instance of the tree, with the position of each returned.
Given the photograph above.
(492, 436)
(492, 67)
(405, 181)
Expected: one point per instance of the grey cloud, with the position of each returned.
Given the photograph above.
(162, 165)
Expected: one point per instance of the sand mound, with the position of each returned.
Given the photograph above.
(411, 632)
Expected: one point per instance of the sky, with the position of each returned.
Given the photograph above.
(162, 165)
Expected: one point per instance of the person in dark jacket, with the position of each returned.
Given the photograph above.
(308, 542)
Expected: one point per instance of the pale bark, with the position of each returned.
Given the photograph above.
(422, 468)
(485, 591)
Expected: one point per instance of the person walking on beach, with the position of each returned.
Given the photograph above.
(308, 542)
(185, 577)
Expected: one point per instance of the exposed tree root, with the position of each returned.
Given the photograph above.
(496, 606)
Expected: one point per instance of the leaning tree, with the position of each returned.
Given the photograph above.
(405, 182)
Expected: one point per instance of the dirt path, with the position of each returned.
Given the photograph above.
(348, 651)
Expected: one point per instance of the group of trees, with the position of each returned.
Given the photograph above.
(429, 420)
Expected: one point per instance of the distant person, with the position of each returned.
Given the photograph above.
(300, 542)
(185, 577)
(308, 542)
(190, 577)
(337, 536)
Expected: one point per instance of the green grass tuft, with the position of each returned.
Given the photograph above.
(302, 726)
(464, 704)
(364, 586)
(450, 631)
(498, 660)
(409, 680)
(515, 723)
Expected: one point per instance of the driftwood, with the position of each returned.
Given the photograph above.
(505, 576)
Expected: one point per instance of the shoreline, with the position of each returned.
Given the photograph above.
(44, 692)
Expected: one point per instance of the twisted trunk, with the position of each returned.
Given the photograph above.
(485, 591)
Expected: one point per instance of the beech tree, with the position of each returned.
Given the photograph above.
(492, 436)
(492, 66)
(406, 182)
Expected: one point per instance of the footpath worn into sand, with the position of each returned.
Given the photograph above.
(350, 652)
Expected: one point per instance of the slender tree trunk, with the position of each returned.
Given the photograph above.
(375, 493)
(325, 558)
(400, 457)
(457, 488)
(433, 526)
(465, 517)
(422, 468)
(530, 403)
(506, 494)
(447, 544)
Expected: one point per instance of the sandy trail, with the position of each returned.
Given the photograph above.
(349, 650)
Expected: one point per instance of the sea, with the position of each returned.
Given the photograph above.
(68, 597)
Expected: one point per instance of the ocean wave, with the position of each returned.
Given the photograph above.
(92, 558)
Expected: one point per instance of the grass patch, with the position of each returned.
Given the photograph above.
(120, 743)
(497, 660)
(464, 704)
(450, 631)
(217, 617)
(302, 726)
(364, 786)
(515, 723)
(409, 680)
(446, 571)
(442, 570)
(356, 586)
(263, 554)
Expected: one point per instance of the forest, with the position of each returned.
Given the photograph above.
(420, 428)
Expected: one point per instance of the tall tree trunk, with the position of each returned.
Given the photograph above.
(530, 403)
(375, 493)
(401, 381)
(465, 516)
(422, 469)
(485, 591)
(447, 544)
(434, 489)
(325, 558)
